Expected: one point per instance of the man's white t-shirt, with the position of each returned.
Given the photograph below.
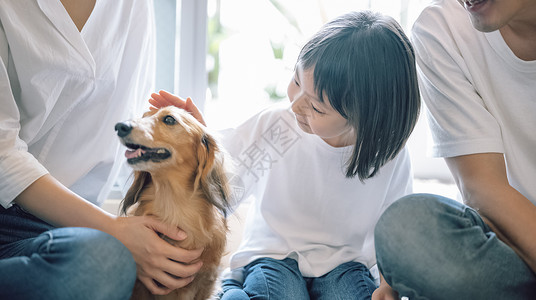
(62, 91)
(303, 205)
(481, 98)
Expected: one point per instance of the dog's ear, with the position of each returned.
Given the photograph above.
(141, 179)
(206, 154)
(211, 177)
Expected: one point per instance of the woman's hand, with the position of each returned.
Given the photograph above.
(156, 259)
(164, 98)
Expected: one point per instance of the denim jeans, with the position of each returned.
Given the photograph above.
(38, 261)
(268, 278)
(431, 247)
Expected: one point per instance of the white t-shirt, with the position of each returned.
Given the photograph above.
(303, 205)
(62, 91)
(481, 97)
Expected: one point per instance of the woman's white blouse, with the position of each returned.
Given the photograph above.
(62, 91)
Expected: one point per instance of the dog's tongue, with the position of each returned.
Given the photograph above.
(133, 153)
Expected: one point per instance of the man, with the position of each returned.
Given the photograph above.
(477, 64)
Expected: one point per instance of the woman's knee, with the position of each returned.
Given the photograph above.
(97, 261)
(113, 261)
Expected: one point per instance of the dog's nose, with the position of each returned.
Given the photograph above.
(123, 128)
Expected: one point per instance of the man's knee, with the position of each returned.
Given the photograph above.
(409, 213)
(406, 226)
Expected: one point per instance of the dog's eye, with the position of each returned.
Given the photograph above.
(169, 120)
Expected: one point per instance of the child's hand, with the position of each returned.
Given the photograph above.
(164, 98)
(384, 291)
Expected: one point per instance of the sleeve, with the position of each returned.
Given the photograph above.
(234, 141)
(240, 142)
(137, 74)
(459, 121)
(138, 67)
(18, 168)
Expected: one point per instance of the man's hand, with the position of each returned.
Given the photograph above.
(161, 267)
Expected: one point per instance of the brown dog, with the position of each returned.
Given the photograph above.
(179, 177)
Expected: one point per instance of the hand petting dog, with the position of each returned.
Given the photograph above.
(157, 260)
(163, 99)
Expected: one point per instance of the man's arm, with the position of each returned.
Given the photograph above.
(484, 185)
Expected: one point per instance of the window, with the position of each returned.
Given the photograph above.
(253, 46)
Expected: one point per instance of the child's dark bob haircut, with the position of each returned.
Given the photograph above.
(365, 66)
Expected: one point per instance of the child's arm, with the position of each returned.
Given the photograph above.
(384, 291)
(164, 98)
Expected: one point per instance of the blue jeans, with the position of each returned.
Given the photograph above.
(267, 278)
(431, 247)
(38, 261)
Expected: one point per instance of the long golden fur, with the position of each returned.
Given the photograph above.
(179, 177)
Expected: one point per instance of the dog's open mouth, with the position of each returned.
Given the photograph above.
(138, 153)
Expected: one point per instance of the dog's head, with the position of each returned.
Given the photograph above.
(170, 142)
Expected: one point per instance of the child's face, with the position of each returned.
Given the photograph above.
(314, 116)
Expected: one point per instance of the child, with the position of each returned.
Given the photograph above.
(323, 170)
